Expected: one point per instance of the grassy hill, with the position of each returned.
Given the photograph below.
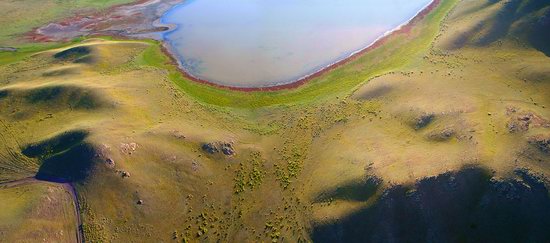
(454, 112)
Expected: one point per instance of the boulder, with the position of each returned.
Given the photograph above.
(225, 148)
(423, 121)
(110, 163)
(210, 148)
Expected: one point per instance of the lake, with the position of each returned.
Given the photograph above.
(259, 43)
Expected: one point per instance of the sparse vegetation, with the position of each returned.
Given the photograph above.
(250, 174)
(277, 166)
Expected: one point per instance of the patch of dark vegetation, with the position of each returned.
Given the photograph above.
(55, 145)
(73, 54)
(354, 191)
(73, 165)
(464, 206)
(423, 121)
(217, 147)
(250, 174)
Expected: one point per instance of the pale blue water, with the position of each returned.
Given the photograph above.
(252, 43)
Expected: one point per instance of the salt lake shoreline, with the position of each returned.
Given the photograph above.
(167, 49)
(401, 29)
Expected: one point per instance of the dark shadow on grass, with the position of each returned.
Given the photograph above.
(3, 94)
(63, 158)
(532, 26)
(73, 165)
(58, 96)
(73, 54)
(55, 145)
(466, 206)
(540, 36)
(354, 191)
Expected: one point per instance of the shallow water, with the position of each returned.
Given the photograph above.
(254, 43)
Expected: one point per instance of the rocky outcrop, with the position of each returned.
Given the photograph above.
(423, 121)
(523, 121)
(225, 148)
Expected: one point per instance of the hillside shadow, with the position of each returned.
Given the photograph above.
(74, 54)
(55, 145)
(71, 166)
(63, 158)
(540, 36)
(3, 94)
(72, 96)
(353, 191)
(466, 206)
(532, 26)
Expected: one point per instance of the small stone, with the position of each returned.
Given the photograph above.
(210, 148)
(177, 134)
(423, 121)
(140, 202)
(227, 149)
(489, 114)
(110, 162)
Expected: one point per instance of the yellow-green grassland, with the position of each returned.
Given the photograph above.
(445, 129)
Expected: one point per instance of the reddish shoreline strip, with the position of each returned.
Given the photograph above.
(403, 30)
(406, 28)
(93, 17)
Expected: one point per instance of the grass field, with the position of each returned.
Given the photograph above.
(157, 157)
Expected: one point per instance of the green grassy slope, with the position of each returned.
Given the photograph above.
(145, 147)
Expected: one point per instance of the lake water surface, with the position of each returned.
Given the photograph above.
(257, 43)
